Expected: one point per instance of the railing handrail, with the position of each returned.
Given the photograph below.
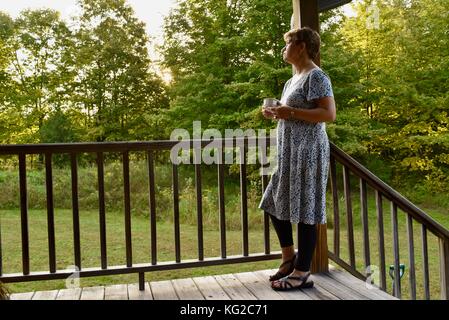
(392, 195)
(407, 206)
(412, 212)
(77, 147)
(403, 203)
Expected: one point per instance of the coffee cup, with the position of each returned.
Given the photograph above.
(271, 103)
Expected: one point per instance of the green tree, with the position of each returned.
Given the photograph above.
(352, 130)
(10, 118)
(115, 89)
(404, 63)
(224, 57)
(37, 46)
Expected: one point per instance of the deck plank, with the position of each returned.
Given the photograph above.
(69, 294)
(234, 288)
(210, 288)
(93, 293)
(116, 292)
(349, 280)
(335, 288)
(353, 286)
(22, 296)
(46, 295)
(317, 292)
(187, 289)
(135, 294)
(163, 290)
(258, 288)
(334, 285)
(287, 295)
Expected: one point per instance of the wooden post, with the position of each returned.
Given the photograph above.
(296, 18)
(308, 16)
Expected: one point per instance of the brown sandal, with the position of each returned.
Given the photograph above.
(285, 285)
(278, 275)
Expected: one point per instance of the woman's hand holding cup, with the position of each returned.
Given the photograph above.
(268, 104)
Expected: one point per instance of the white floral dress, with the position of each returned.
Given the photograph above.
(297, 188)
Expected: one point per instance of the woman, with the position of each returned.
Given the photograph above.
(297, 189)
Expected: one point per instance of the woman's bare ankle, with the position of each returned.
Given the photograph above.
(288, 258)
(288, 253)
(299, 273)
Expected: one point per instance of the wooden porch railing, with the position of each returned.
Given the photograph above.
(124, 148)
(412, 215)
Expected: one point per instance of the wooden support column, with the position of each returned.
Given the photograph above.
(310, 17)
(305, 14)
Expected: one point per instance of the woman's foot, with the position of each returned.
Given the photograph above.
(287, 267)
(295, 280)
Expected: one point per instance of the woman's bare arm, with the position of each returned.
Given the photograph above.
(324, 112)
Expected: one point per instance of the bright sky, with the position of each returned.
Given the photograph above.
(149, 11)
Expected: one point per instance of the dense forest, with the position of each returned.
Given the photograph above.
(91, 78)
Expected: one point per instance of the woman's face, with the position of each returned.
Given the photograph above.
(292, 52)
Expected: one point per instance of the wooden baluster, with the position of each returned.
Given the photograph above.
(75, 210)
(128, 239)
(411, 255)
(333, 174)
(397, 278)
(199, 203)
(176, 212)
(141, 281)
(102, 210)
(347, 190)
(444, 267)
(24, 215)
(425, 259)
(244, 197)
(152, 200)
(266, 220)
(264, 146)
(364, 213)
(381, 239)
(221, 199)
(50, 213)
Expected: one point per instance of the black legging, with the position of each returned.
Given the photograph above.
(307, 241)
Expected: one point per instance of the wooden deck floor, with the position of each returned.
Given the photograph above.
(335, 285)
